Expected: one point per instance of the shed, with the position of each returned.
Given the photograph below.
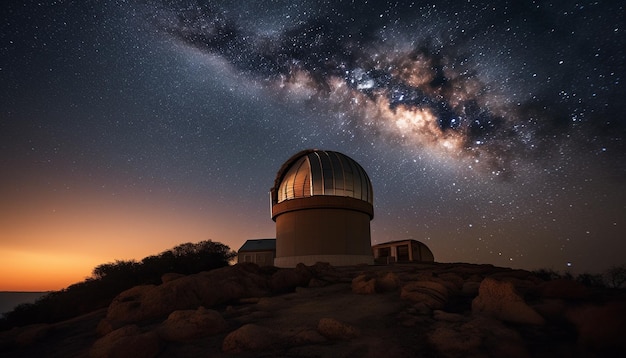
(402, 251)
(259, 251)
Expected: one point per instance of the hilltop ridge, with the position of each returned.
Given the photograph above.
(434, 309)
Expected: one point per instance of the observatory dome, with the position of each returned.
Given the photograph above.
(321, 172)
(322, 203)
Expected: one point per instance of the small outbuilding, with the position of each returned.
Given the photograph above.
(259, 251)
(402, 251)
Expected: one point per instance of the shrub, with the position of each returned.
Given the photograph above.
(110, 279)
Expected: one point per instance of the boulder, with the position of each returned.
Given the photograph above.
(31, 334)
(189, 292)
(440, 315)
(499, 299)
(470, 288)
(307, 336)
(171, 276)
(480, 337)
(387, 282)
(364, 284)
(105, 326)
(250, 337)
(185, 325)
(316, 283)
(289, 278)
(450, 341)
(127, 341)
(336, 330)
(551, 309)
(452, 280)
(432, 294)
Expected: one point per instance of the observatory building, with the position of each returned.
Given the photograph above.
(322, 203)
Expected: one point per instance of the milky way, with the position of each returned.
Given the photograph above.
(473, 80)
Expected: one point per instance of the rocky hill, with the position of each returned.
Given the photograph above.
(401, 310)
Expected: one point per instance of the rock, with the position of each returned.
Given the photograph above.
(31, 334)
(499, 299)
(433, 294)
(440, 315)
(551, 309)
(422, 309)
(126, 307)
(127, 341)
(189, 292)
(470, 288)
(387, 282)
(565, 289)
(104, 327)
(307, 336)
(184, 325)
(523, 281)
(480, 337)
(336, 330)
(250, 337)
(601, 328)
(287, 279)
(451, 342)
(500, 340)
(455, 281)
(315, 283)
(167, 277)
(364, 284)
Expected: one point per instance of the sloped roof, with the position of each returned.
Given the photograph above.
(259, 245)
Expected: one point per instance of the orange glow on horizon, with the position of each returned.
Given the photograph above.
(50, 242)
(42, 271)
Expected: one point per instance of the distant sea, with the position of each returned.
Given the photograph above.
(10, 299)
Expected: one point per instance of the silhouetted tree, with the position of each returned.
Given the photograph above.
(591, 280)
(547, 274)
(616, 276)
(110, 279)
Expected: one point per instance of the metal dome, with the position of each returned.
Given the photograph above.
(321, 172)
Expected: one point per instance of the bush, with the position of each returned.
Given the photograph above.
(591, 280)
(616, 276)
(110, 279)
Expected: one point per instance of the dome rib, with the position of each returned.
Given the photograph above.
(318, 172)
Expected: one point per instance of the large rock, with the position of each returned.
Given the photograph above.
(387, 282)
(289, 278)
(451, 280)
(203, 289)
(480, 337)
(171, 276)
(364, 284)
(432, 294)
(499, 299)
(334, 329)
(470, 288)
(250, 337)
(127, 341)
(32, 334)
(184, 325)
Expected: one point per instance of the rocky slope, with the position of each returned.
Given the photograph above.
(426, 310)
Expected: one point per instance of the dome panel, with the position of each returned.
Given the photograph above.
(317, 172)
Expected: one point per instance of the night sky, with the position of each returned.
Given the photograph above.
(493, 131)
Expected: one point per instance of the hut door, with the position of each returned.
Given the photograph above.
(403, 252)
